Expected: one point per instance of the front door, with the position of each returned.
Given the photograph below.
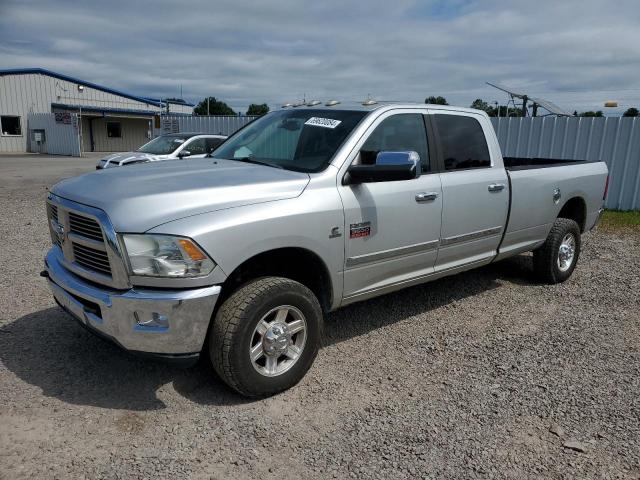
(392, 229)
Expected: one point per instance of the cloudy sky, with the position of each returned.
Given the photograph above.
(577, 53)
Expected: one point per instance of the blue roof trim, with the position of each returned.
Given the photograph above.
(182, 103)
(171, 101)
(44, 71)
(85, 108)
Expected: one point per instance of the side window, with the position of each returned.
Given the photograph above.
(463, 142)
(197, 146)
(213, 143)
(402, 132)
(10, 125)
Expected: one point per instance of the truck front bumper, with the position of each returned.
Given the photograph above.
(167, 324)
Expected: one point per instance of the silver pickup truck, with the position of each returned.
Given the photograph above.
(303, 211)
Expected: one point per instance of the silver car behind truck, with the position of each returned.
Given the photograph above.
(165, 147)
(238, 257)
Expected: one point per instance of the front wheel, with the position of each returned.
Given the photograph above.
(265, 336)
(556, 259)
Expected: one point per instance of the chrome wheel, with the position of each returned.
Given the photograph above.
(566, 252)
(278, 340)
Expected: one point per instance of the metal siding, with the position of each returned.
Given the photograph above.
(217, 125)
(60, 138)
(613, 140)
(21, 94)
(134, 134)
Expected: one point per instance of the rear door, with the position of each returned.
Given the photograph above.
(392, 228)
(475, 190)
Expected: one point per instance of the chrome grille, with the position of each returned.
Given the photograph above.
(91, 258)
(85, 226)
(88, 242)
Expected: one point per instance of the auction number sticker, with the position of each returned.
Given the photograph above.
(323, 122)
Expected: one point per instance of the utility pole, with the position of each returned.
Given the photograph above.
(208, 105)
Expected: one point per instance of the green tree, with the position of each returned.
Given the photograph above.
(592, 114)
(480, 104)
(631, 112)
(436, 100)
(216, 107)
(258, 109)
(502, 111)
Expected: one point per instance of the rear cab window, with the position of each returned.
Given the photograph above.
(462, 142)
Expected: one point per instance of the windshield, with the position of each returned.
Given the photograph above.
(301, 140)
(163, 145)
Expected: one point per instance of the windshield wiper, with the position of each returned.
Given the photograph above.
(254, 161)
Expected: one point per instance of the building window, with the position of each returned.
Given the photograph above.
(10, 125)
(114, 130)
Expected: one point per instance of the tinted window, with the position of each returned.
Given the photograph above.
(196, 147)
(399, 133)
(463, 142)
(213, 143)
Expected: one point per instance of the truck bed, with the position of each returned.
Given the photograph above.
(533, 186)
(523, 163)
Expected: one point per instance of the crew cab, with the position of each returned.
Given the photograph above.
(165, 147)
(238, 257)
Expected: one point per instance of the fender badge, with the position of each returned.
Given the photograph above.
(335, 232)
(360, 230)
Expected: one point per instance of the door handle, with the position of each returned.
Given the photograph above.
(426, 197)
(496, 187)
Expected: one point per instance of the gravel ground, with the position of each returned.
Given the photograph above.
(482, 375)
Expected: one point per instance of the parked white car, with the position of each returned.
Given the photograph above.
(166, 147)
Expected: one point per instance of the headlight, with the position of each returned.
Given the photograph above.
(166, 256)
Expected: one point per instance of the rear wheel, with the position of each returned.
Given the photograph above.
(555, 261)
(265, 336)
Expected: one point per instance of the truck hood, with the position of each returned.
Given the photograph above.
(139, 197)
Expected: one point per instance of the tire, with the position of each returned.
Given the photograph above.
(552, 265)
(235, 336)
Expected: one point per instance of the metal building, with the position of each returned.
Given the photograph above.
(105, 119)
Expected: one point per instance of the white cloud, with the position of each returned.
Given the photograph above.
(576, 53)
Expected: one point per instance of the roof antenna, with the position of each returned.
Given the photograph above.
(369, 101)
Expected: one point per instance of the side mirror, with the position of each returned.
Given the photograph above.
(389, 167)
(184, 153)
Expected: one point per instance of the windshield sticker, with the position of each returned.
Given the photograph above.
(179, 140)
(323, 122)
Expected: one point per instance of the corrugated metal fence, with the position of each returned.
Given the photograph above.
(56, 134)
(614, 140)
(215, 125)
